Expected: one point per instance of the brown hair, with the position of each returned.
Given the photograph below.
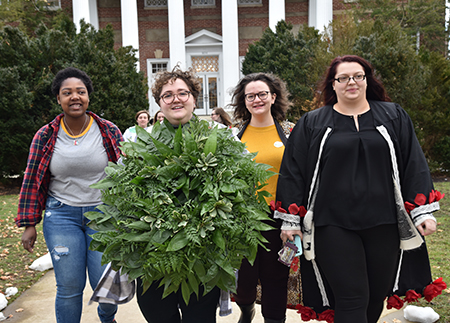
(224, 117)
(156, 115)
(189, 77)
(141, 112)
(275, 84)
(375, 89)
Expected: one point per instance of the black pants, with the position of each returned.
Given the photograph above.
(360, 267)
(167, 310)
(273, 276)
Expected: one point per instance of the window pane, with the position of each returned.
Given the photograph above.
(205, 63)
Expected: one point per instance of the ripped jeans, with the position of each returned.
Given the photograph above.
(67, 238)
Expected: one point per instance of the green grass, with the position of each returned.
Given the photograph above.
(439, 251)
(14, 260)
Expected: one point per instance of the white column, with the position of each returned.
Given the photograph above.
(320, 13)
(94, 13)
(277, 12)
(130, 31)
(177, 48)
(80, 11)
(230, 48)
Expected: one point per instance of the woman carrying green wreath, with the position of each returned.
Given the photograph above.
(176, 92)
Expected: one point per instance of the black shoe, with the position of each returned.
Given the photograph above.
(247, 313)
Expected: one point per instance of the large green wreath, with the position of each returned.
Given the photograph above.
(182, 207)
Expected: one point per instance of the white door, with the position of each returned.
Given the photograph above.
(208, 98)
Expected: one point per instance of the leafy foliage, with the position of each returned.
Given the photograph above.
(423, 19)
(28, 66)
(182, 208)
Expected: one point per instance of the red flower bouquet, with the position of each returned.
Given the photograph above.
(394, 302)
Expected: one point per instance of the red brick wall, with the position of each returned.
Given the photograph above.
(296, 14)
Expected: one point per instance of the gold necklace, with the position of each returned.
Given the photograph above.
(75, 141)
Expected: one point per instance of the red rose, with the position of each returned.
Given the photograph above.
(302, 211)
(327, 315)
(306, 313)
(420, 199)
(274, 206)
(394, 302)
(412, 296)
(293, 208)
(280, 209)
(409, 207)
(440, 284)
(431, 291)
(439, 195)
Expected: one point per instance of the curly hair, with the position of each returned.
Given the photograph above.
(375, 89)
(275, 84)
(224, 117)
(189, 77)
(69, 72)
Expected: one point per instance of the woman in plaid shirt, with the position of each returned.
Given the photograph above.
(66, 157)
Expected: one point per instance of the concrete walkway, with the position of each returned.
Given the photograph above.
(36, 305)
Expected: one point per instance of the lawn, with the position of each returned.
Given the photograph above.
(14, 260)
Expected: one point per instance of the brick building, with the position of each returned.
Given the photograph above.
(211, 36)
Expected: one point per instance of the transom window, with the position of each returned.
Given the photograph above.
(249, 2)
(205, 64)
(203, 3)
(155, 3)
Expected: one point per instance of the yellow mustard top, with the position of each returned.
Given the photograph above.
(270, 148)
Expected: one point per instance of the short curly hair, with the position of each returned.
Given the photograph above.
(275, 84)
(69, 72)
(189, 77)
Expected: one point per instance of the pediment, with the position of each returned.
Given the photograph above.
(203, 37)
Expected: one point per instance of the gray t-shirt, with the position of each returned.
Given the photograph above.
(77, 163)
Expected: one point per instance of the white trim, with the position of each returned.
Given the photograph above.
(153, 105)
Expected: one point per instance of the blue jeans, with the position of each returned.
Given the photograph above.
(68, 238)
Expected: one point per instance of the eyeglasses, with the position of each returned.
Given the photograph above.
(250, 97)
(168, 98)
(346, 79)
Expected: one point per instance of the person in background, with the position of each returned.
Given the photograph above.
(176, 92)
(260, 103)
(159, 116)
(142, 119)
(351, 164)
(66, 157)
(219, 115)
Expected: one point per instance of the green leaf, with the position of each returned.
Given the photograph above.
(185, 291)
(178, 242)
(162, 148)
(218, 239)
(211, 143)
(177, 141)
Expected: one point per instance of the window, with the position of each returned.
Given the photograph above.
(203, 64)
(156, 4)
(203, 3)
(249, 2)
(158, 67)
(52, 4)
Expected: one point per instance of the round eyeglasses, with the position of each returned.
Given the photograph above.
(250, 97)
(168, 98)
(346, 79)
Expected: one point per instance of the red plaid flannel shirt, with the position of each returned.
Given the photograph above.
(33, 193)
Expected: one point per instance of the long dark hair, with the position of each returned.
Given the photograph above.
(275, 84)
(375, 89)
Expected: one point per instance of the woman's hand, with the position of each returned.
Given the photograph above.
(290, 235)
(427, 227)
(29, 238)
